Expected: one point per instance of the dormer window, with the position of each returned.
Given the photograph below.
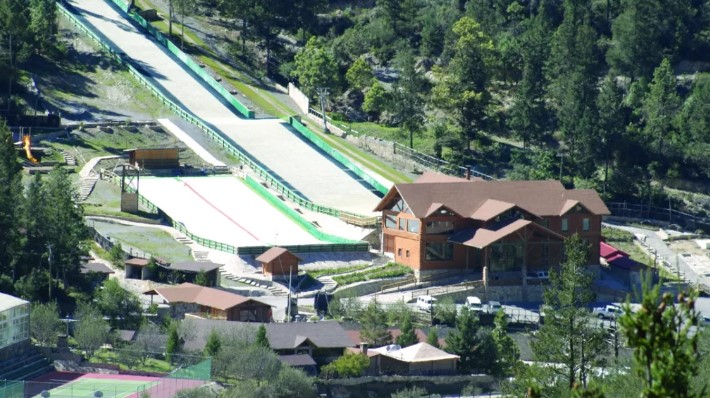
(401, 206)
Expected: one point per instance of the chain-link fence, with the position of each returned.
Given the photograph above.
(113, 385)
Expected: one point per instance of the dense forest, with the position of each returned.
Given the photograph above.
(609, 94)
(613, 89)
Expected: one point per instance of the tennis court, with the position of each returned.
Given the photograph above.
(72, 385)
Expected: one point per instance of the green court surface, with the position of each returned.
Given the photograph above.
(85, 387)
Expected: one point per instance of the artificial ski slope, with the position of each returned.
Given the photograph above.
(270, 141)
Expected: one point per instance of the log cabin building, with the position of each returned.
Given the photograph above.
(505, 232)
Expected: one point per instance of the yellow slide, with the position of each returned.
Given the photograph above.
(28, 149)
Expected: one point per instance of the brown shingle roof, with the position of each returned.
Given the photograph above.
(96, 267)
(297, 360)
(542, 198)
(209, 297)
(430, 177)
(137, 262)
(321, 334)
(194, 266)
(274, 253)
(482, 237)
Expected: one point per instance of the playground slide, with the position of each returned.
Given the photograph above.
(27, 145)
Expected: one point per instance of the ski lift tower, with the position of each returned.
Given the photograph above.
(130, 178)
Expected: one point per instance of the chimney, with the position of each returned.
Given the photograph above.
(363, 348)
(468, 172)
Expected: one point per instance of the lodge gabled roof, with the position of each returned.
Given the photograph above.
(483, 200)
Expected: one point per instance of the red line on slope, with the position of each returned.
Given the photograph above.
(218, 210)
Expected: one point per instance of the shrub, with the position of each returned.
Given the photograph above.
(349, 365)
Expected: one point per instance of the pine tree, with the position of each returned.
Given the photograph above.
(611, 122)
(571, 70)
(10, 198)
(407, 97)
(173, 344)
(34, 221)
(374, 325)
(465, 342)
(214, 344)
(43, 22)
(66, 231)
(507, 351)
(433, 338)
(408, 336)
(567, 338)
(660, 106)
(529, 114)
(665, 350)
(262, 339)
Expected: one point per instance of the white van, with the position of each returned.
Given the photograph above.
(425, 303)
(474, 304)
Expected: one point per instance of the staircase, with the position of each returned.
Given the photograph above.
(87, 186)
(27, 366)
(328, 283)
(278, 290)
(69, 158)
(199, 255)
(247, 281)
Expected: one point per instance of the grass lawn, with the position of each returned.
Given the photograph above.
(113, 357)
(337, 271)
(151, 240)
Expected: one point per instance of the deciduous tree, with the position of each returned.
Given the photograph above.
(316, 67)
(359, 75)
(348, 365)
(45, 324)
(462, 86)
(121, 306)
(91, 331)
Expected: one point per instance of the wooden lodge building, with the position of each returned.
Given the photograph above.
(500, 231)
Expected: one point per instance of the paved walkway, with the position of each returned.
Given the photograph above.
(271, 141)
(89, 166)
(659, 249)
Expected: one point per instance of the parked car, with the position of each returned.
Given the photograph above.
(425, 303)
(609, 311)
(538, 275)
(474, 304)
(492, 307)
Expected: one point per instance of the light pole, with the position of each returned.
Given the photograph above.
(323, 93)
(49, 247)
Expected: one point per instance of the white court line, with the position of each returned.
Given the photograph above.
(182, 136)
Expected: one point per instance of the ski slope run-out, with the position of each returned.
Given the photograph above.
(223, 209)
(271, 142)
